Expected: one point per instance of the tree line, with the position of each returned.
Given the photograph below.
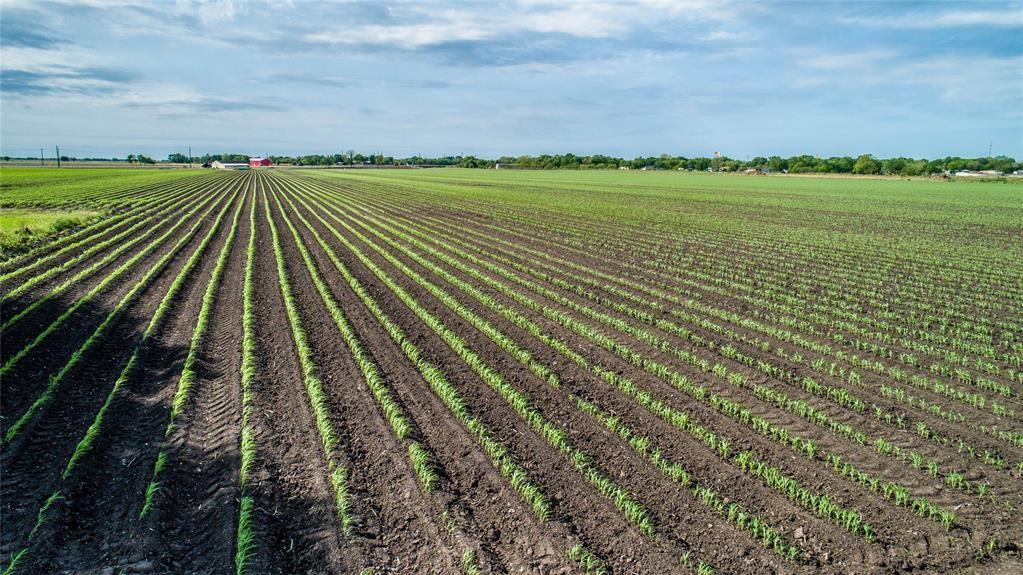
(802, 164)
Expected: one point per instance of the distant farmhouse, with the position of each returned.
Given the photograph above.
(252, 163)
(229, 165)
(978, 174)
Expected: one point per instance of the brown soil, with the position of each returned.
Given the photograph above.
(400, 527)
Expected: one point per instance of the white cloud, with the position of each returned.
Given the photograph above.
(821, 60)
(425, 25)
(1012, 18)
(42, 60)
(970, 80)
(952, 79)
(212, 12)
(726, 36)
(405, 36)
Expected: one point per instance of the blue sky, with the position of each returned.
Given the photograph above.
(642, 77)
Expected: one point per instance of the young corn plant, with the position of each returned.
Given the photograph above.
(660, 409)
(399, 421)
(633, 510)
(587, 562)
(470, 565)
(245, 543)
(318, 402)
(113, 276)
(188, 371)
(84, 446)
(517, 477)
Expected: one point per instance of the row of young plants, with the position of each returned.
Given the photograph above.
(845, 320)
(758, 527)
(738, 281)
(87, 254)
(846, 294)
(995, 407)
(528, 220)
(86, 443)
(987, 456)
(93, 189)
(992, 430)
(245, 540)
(805, 447)
(99, 333)
(836, 394)
(542, 512)
(192, 205)
(318, 402)
(721, 446)
(189, 375)
(731, 263)
(826, 368)
(734, 512)
(53, 250)
(767, 394)
(400, 422)
(853, 292)
(909, 361)
(397, 418)
(633, 510)
(561, 242)
(500, 458)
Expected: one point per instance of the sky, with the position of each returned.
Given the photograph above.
(625, 78)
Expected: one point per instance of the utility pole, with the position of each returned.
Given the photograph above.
(41, 161)
(190, 156)
(58, 155)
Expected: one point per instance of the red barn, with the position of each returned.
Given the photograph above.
(257, 162)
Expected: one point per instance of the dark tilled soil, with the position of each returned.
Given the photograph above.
(111, 495)
(95, 527)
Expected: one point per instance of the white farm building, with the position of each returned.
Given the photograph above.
(229, 165)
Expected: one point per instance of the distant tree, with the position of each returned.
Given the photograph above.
(866, 164)
(956, 164)
(802, 164)
(914, 168)
(777, 164)
(177, 158)
(893, 165)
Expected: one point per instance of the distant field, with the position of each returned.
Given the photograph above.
(64, 187)
(21, 226)
(52, 164)
(468, 371)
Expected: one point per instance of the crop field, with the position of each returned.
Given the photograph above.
(485, 371)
